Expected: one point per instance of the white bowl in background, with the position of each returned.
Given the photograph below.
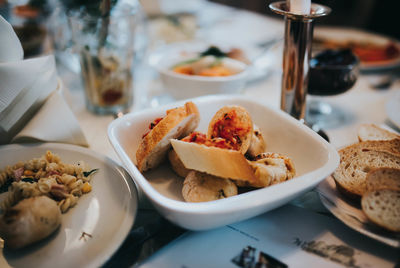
(182, 86)
(314, 159)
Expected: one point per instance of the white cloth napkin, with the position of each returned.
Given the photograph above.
(31, 104)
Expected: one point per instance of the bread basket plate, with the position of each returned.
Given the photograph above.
(313, 158)
(351, 214)
(106, 213)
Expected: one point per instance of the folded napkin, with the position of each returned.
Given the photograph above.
(31, 104)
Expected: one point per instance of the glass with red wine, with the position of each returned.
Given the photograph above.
(332, 72)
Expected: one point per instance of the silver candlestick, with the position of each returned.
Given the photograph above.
(296, 56)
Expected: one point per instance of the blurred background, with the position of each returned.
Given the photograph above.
(42, 25)
(380, 16)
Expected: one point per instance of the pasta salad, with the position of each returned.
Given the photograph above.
(46, 175)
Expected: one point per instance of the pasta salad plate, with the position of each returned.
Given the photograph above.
(92, 228)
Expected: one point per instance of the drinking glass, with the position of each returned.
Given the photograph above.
(106, 48)
(332, 72)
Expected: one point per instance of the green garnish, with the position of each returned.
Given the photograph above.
(88, 173)
(214, 51)
(30, 180)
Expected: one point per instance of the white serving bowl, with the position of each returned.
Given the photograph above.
(313, 157)
(182, 86)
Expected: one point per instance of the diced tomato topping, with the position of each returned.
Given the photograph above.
(152, 125)
(201, 138)
(230, 129)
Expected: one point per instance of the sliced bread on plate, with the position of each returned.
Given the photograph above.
(350, 176)
(382, 207)
(373, 132)
(383, 178)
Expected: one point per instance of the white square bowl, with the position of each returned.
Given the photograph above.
(313, 157)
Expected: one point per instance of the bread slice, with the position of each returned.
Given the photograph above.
(383, 208)
(154, 146)
(373, 132)
(224, 163)
(350, 176)
(383, 178)
(388, 146)
(234, 124)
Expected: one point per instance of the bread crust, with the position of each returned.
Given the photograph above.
(176, 124)
(224, 163)
(233, 123)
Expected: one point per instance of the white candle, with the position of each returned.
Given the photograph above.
(300, 6)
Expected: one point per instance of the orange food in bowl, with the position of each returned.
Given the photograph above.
(215, 71)
(184, 70)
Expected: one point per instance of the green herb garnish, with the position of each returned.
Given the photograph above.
(30, 180)
(214, 51)
(88, 173)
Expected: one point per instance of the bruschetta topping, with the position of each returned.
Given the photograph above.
(230, 129)
(200, 138)
(152, 125)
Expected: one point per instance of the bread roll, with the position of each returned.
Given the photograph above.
(30, 220)
(177, 164)
(269, 169)
(154, 146)
(202, 187)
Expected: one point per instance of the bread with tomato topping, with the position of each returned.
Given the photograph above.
(177, 123)
(234, 124)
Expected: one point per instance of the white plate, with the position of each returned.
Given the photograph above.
(263, 60)
(313, 157)
(338, 34)
(107, 212)
(393, 108)
(350, 213)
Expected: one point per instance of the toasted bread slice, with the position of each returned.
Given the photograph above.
(350, 176)
(234, 124)
(383, 208)
(388, 146)
(373, 132)
(224, 163)
(178, 123)
(383, 178)
(202, 187)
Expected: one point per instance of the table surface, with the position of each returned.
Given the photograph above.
(362, 104)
